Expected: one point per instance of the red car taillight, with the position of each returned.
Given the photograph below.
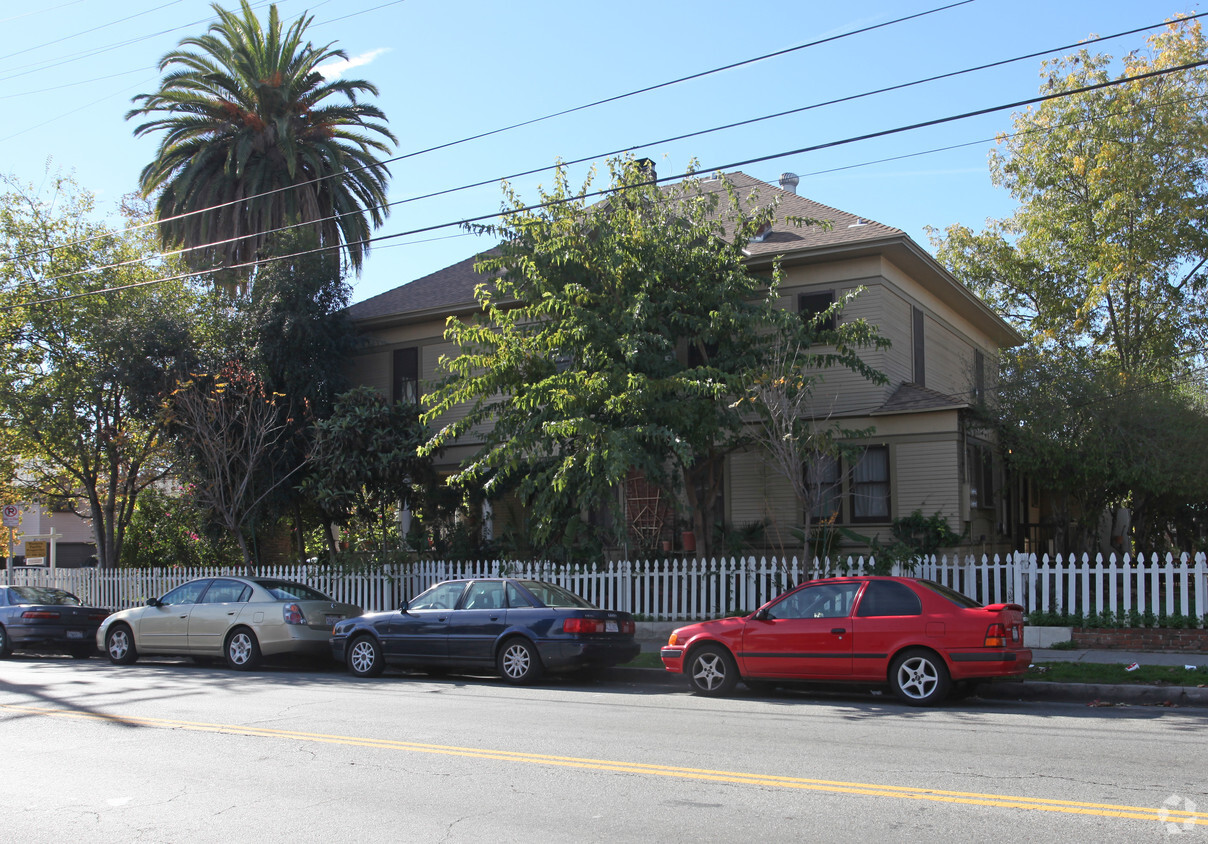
(582, 625)
(293, 614)
(39, 614)
(996, 636)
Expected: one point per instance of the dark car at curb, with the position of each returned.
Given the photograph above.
(47, 620)
(923, 640)
(517, 628)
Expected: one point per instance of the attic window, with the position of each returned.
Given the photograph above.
(762, 234)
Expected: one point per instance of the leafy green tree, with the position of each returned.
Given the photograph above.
(168, 529)
(256, 139)
(365, 465)
(84, 371)
(614, 338)
(1109, 245)
(294, 333)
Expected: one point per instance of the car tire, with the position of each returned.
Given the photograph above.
(119, 645)
(919, 678)
(6, 647)
(365, 657)
(712, 671)
(518, 662)
(241, 650)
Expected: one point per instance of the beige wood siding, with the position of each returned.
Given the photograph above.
(757, 493)
(927, 478)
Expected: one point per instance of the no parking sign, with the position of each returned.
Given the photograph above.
(12, 515)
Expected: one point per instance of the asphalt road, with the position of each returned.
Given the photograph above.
(173, 752)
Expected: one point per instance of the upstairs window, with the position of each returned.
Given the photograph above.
(405, 375)
(701, 353)
(920, 364)
(810, 305)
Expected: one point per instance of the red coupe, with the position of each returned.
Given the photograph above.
(923, 639)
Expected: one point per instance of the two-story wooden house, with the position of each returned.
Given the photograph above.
(925, 455)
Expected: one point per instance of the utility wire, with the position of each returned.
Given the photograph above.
(470, 221)
(607, 154)
(550, 116)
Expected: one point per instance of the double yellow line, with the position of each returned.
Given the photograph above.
(1166, 814)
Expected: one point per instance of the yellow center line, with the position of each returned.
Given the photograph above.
(1036, 804)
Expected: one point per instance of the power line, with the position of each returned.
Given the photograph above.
(595, 156)
(719, 168)
(550, 116)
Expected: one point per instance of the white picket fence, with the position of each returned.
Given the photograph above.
(675, 590)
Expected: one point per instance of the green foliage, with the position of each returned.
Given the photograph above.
(365, 463)
(83, 372)
(1106, 250)
(926, 534)
(169, 530)
(912, 538)
(1107, 619)
(255, 138)
(614, 337)
(1104, 268)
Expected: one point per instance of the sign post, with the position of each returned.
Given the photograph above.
(12, 518)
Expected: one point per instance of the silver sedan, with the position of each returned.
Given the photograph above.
(237, 619)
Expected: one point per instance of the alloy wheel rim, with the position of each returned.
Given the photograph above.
(516, 661)
(707, 674)
(118, 645)
(917, 678)
(362, 656)
(241, 648)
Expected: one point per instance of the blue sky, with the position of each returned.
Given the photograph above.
(449, 69)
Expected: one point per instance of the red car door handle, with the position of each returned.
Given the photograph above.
(839, 630)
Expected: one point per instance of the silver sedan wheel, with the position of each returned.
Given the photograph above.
(117, 645)
(242, 650)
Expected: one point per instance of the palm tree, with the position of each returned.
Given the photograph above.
(253, 143)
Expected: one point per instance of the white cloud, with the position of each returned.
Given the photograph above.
(334, 70)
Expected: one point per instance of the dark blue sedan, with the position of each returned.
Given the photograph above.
(518, 628)
(48, 620)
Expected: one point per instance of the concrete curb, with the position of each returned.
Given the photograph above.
(1027, 690)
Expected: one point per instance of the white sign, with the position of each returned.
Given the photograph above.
(12, 515)
(35, 561)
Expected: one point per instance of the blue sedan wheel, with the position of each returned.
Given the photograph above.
(365, 657)
(518, 662)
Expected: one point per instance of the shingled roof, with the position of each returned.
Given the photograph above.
(911, 398)
(451, 290)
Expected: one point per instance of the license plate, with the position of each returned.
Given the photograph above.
(332, 619)
(75, 634)
(611, 627)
